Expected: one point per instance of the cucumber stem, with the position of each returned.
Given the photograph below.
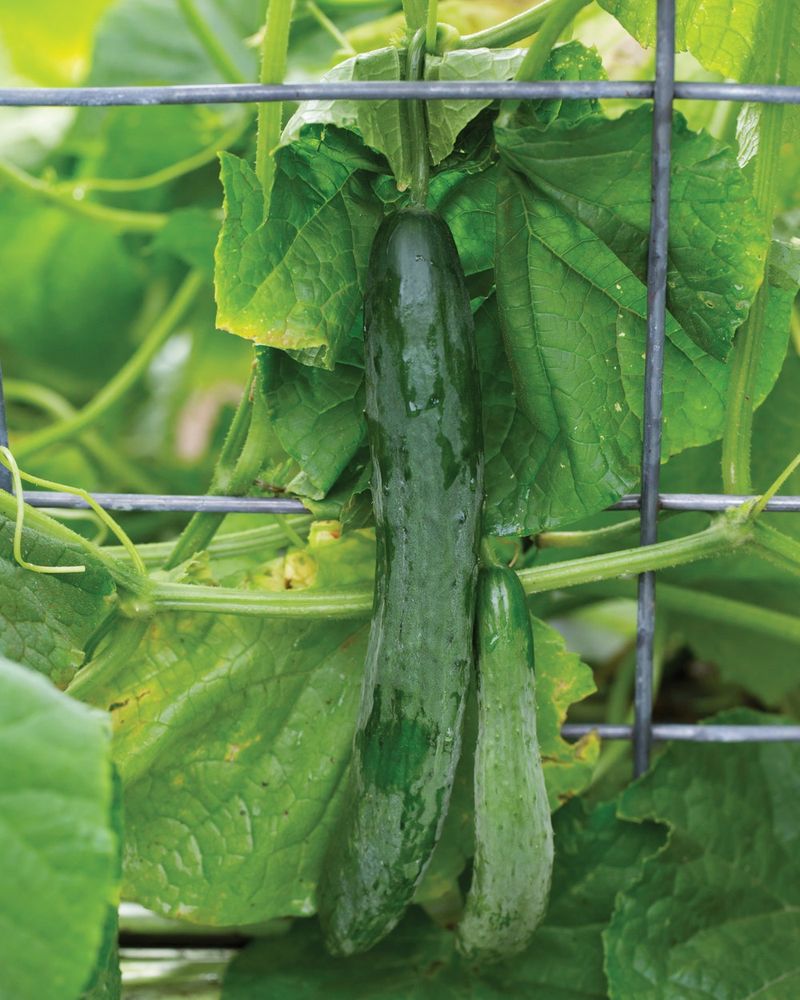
(419, 129)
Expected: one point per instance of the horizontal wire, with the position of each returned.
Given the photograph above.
(375, 90)
(191, 503)
(689, 733)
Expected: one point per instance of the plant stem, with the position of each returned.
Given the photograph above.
(559, 16)
(340, 604)
(227, 68)
(327, 24)
(126, 185)
(54, 404)
(125, 378)
(274, 55)
(115, 655)
(235, 543)
(779, 549)
(119, 218)
(430, 26)
(725, 611)
(586, 539)
(747, 347)
(418, 126)
(508, 32)
(724, 536)
(240, 461)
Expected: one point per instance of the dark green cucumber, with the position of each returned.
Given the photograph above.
(513, 831)
(423, 414)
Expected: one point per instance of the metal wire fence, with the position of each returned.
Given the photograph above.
(662, 91)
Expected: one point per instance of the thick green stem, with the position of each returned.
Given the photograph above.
(431, 26)
(598, 537)
(240, 461)
(418, 126)
(232, 544)
(747, 348)
(724, 536)
(114, 657)
(126, 377)
(274, 55)
(227, 68)
(118, 218)
(508, 32)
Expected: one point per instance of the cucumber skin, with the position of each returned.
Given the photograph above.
(424, 427)
(513, 861)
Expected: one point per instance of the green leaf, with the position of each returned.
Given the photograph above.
(59, 850)
(46, 619)
(296, 281)
(384, 125)
(596, 857)
(721, 903)
(599, 172)
(561, 680)
(567, 443)
(724, 35)
(318, 418)
(233, 737)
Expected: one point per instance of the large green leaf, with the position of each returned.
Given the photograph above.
(599, 172)
(46, 619)
(296, 281)
(728, 36)
(596, 857)
(563, 436)
(233, 736)
(59, 849)
(717, 912)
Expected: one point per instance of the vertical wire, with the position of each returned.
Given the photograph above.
(5, 475)
(654, 374)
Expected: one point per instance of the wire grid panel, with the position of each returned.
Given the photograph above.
(662, 91)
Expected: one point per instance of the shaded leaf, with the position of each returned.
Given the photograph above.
(596, 856)
(59, 849)
(729, 877)
(46, 619)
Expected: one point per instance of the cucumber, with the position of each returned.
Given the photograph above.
(513, 831)
(424, 428)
